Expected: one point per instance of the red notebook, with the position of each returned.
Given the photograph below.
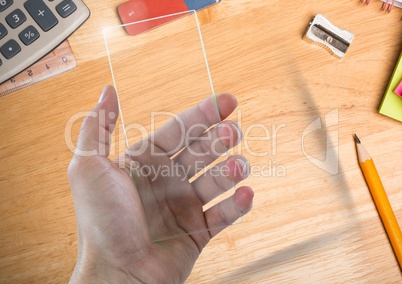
(139, 10)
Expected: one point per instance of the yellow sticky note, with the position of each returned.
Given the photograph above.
(391, 104)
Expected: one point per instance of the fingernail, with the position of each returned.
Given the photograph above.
(244, 167)
(104, 94)
(224, 104)
(227, 132)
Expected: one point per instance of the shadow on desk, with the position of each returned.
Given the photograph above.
(261, 268)
(310, 248)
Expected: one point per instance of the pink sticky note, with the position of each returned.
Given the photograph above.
(398, 89)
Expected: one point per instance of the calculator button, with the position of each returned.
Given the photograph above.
(3, 31)
(10, 49)
(29, 35)
(66, 8)
(4, 4)
(41, 13)
(16, 18)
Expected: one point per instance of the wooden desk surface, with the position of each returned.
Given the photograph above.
(307, 225)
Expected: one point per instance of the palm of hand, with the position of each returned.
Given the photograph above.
(133, 207)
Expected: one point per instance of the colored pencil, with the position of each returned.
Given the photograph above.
(380, 199)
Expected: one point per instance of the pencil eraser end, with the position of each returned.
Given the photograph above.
(398, 89)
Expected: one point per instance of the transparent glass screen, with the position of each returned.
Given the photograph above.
(159, 74)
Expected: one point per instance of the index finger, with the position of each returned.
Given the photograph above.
(171, 137)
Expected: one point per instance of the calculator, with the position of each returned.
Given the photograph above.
(30, 29)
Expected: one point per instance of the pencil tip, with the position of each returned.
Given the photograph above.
(357, 139)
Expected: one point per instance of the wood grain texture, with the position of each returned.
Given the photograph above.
(307, 225)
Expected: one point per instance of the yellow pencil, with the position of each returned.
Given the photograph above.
(380, 199)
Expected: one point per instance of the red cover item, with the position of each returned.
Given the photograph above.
(137, 10)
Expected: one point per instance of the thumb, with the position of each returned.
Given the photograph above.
(94, 137)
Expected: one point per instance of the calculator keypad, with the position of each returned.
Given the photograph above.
(4, 4)
(29, 29)
(29, 35)
(41, 13)
(10, 49)
(66, 8)
(16, 18)
(3, 31)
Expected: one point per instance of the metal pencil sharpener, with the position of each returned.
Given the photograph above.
(325, 34)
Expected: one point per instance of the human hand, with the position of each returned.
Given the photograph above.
(121, 211)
